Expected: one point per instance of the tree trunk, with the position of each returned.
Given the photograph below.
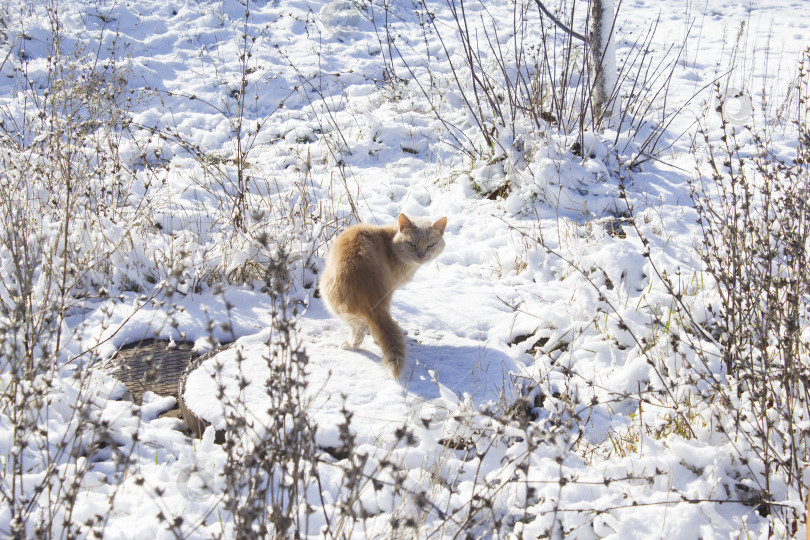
(603, 63)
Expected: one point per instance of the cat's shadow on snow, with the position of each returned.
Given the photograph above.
(462, 369)
(477, 371)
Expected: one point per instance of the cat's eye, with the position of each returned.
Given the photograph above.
(430, 245)
(412, 244)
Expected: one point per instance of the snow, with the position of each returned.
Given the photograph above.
(535, 296)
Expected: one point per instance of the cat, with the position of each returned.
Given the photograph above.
(364, 267)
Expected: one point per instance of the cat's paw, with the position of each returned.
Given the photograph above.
(395, 364)
(347, 346)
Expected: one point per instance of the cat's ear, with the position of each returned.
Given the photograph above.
(440, 224)
(404, 222)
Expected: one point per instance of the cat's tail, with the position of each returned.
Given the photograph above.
(389, 337)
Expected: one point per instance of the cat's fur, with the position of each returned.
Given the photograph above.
(364, 267)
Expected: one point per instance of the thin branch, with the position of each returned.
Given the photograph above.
(559, 23)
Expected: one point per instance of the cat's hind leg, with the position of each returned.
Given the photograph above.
(359, 331)
(389, 337)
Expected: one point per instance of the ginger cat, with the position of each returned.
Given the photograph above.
(364, 267)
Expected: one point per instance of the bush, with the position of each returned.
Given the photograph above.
(755, 218)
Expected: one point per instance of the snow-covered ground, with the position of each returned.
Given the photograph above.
(543, 294)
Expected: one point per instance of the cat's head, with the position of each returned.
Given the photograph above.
(419, 240)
